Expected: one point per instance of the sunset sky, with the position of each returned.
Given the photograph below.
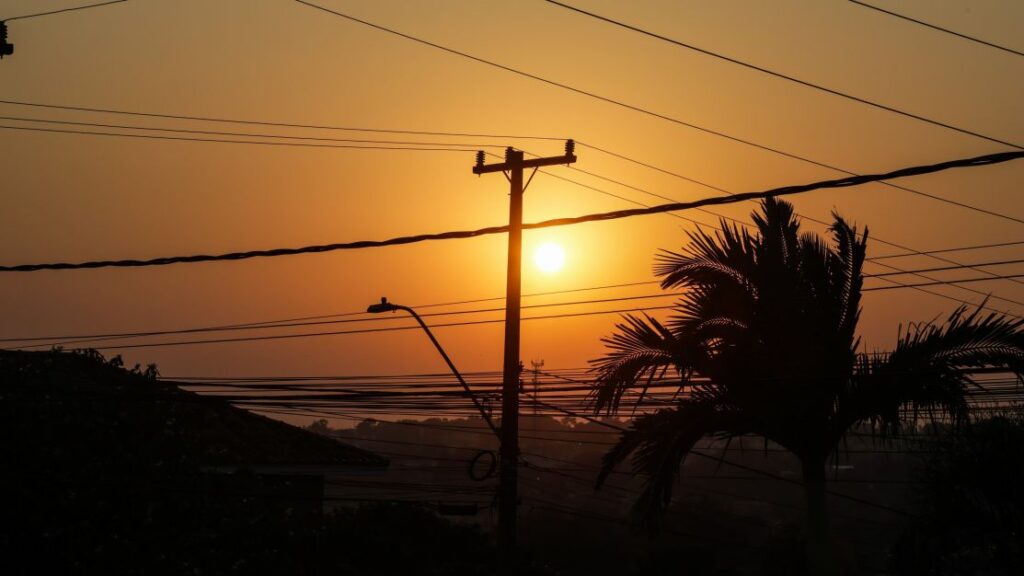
(71, 197)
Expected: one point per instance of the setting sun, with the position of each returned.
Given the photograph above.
(549, 257)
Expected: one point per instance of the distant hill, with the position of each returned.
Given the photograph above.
(75, 411)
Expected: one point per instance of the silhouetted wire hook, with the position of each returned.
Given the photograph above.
(492, 465)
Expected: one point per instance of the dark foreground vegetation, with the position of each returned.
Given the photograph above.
(944, 502)
(971, 505)
(764, 341)
(109, 471)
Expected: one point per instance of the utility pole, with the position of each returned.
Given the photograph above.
(537, 365)
(513, 167)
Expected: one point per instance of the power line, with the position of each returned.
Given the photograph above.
(647, 112)
(72, 9)
(248, 134)
(559, 378)
(602, 150)
(939, 28)
(57, 340)
(630, 200)
(553, 175)
(651, 166)
(396, 392)
(938, 282)
(289, 322)
(560, 374)
(371, 330)
(227, 141)
(603, 216)
(946, 268)
(747, 225)
(782, 76)
(272, 123)
(898, 270)
(986, 295)
(571, 432)
(266, 123)
(449, 407)
(455, 406)
(946, 250)
(981, 305)
(910, 251)
(399, 403)
(263, 326)
(244, 134)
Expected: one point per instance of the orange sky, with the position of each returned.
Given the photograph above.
(72, 197)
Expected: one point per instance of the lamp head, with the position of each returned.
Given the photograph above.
(384, 306)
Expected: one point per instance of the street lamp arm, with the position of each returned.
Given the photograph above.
(386, 306)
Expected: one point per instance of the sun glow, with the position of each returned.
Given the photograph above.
(549, 257)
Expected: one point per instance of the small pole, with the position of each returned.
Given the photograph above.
(537, 365)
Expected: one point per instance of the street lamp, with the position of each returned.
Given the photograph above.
(385, 306)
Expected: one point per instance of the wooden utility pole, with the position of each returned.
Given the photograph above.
(508, 488)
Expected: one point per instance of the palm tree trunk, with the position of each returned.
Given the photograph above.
(818, 538)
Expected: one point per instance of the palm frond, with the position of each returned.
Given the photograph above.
(848, 277)
(678, 270)
(926, 371)
(703, 303)
(659, 443)
(707, 259)
(965, 340)
(815, 267)
(779, 234)
(640, 347)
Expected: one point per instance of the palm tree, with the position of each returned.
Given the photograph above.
(764, 341)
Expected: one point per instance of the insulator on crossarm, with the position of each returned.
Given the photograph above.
(479, 158)
(5, 48)
(570, 147)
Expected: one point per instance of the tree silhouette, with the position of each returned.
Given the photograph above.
(764, 342)
(973, 503)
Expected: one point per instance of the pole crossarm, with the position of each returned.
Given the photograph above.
(531, 163)
(518, 162)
